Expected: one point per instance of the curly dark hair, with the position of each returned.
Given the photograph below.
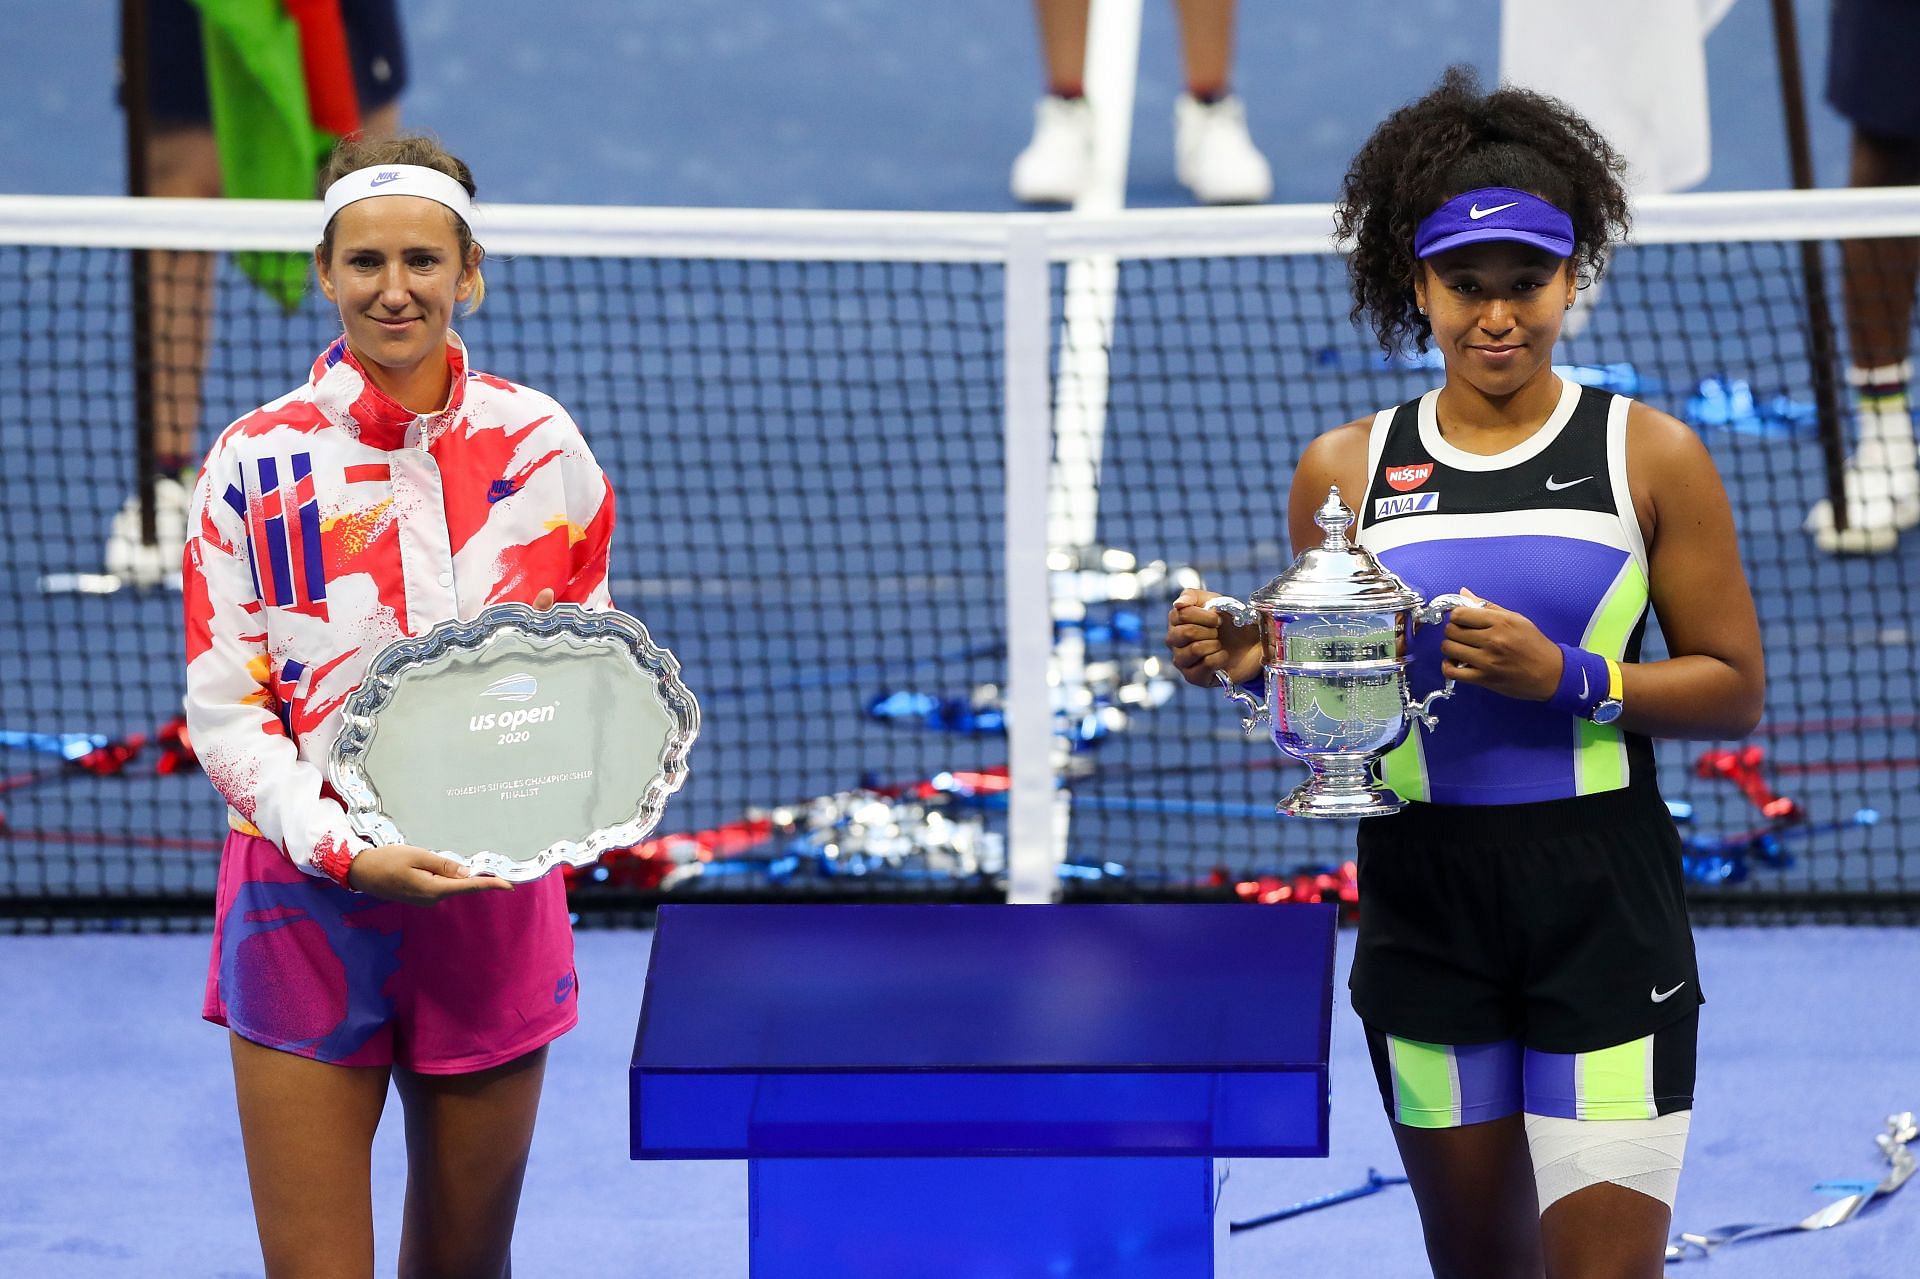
(1458, 139)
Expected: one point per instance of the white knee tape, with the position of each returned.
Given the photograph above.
(1640, 1154)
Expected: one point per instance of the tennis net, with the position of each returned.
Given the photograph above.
(908, 496)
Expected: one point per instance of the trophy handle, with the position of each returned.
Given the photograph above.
(1432, 612)
(1255, 708)
(1437, 608)
(1422, 710)
(1241, 615)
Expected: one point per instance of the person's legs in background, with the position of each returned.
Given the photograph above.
(1214, 156)
(183, 162)
(1056, 164)
(1872, 46)
(1882, 477)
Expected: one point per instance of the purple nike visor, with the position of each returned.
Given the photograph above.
(1495, 213)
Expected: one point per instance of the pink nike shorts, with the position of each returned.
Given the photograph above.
(305, 966)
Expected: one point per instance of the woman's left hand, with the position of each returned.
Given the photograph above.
(1499, 650)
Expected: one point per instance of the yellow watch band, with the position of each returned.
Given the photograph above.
(1613, 679)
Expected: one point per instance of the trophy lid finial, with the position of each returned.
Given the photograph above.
(1337, 576)
(1334, 519)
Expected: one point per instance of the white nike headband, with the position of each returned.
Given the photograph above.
(399, 179)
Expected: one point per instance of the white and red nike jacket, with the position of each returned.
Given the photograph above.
(332, 521)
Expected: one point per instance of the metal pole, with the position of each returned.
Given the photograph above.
(133, 89)
(1034, 852)
(1825, 347)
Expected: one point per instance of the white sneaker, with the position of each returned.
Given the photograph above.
(1058, 161)
(131, 559)
(1213, 156)
(1882, 502)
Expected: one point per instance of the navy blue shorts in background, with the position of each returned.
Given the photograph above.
(177, 69)
(1873, 66)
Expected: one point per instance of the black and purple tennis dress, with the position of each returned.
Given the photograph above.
(1546, 529)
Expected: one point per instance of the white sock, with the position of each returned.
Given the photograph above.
(1885, 418)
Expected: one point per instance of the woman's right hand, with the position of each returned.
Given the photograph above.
(403, 873)
(1205, 641)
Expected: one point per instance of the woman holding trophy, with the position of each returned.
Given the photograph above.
(395, 489)
(1524, 967)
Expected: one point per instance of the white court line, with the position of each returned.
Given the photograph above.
(1080, 392)
(1086, 335)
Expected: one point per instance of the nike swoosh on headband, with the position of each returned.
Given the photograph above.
(1476, 212)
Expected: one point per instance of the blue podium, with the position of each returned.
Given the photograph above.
(1005, 1091)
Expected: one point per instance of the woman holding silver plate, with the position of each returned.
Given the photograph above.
(1524, 967)
(395, 489)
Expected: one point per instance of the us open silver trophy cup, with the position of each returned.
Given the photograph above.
(1334, 629)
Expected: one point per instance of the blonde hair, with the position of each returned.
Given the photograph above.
(351, 154)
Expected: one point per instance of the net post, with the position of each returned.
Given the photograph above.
(1825, 355)
(133, 87)
(1033, 855)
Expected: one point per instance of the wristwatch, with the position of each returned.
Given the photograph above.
(1609, 707)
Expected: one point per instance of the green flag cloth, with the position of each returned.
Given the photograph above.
(257, 98)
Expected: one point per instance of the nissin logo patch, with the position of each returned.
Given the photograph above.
(1406, 478)
(1411, 504)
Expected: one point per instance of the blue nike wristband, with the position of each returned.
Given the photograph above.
(1583, 682)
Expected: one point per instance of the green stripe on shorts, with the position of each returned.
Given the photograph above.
(1616, 1082)
(1426, 1091)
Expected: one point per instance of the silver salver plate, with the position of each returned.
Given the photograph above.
(516, 741)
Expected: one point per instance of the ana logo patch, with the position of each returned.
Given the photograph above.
(1411, 504)
(1406, 478)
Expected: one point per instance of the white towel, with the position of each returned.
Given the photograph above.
(1637, 69)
